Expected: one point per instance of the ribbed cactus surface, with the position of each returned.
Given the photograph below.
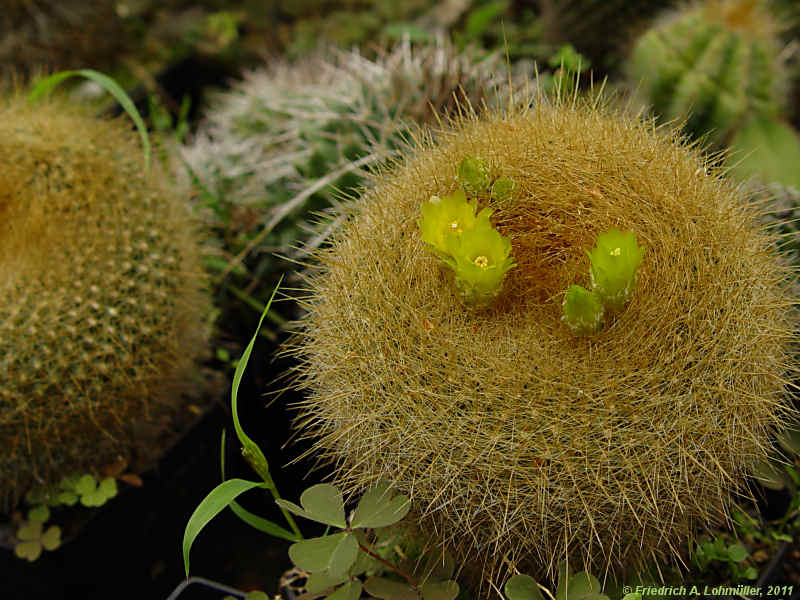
(101, 293)
(715, 64)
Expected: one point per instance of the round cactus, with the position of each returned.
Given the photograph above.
(520, 442)
(102, 301)
(715, 64)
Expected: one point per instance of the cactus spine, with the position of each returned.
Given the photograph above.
(101, 294)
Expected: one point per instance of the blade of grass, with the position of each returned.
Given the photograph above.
(250, 450)
(46, 85)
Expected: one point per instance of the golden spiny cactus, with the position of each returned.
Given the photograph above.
(520, 443)
(101, 293)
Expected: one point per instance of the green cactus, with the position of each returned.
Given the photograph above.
(102, 301)
(714, 64)
(519, 443)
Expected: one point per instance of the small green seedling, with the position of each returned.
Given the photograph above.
(733, 554)
(583, 310)
(577, 586)
(614, 264)
(32, 536)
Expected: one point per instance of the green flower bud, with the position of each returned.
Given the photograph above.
(480, 259)
(615, 261)
(503, 188)
(583, 310)
(445, 217)
(473, 175)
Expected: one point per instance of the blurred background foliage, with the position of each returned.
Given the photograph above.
(196, 69)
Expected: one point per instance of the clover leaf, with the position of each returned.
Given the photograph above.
(32, 540)
(522, 587)
(322, 503)
(333, 553)
(378, 509)
(93, 494)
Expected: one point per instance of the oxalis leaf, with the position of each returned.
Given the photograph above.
(378, 509)
(440, 590)
(580, 586)
(349, 591)
(333, 553)
(322, 503)
(522, 587)
(386, 589)
(317, 582)
(216, 501)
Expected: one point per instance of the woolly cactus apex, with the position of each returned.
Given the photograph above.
(714, 64)
(102, 305)
(520, 443)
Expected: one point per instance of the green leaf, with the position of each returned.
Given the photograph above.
(324, 553)
(750, 573)
(323, 580)
(632, 596)
(70, 482)
(256, 595)
(28, 550)
(439, 590)
(262, 524)
(51, 538)
(581, 586)
(220, 497)
(85, 485)
(737, 553)
(68, 498)
(349, 591)
(323, 502)
(46, 85)
(377, 508)
(345, 556)
(522, 587)
(39, 513)
(250, 450)
(30, 531)
(386, 589)
(108, 487)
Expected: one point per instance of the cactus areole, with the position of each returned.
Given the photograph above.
(519, 442)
